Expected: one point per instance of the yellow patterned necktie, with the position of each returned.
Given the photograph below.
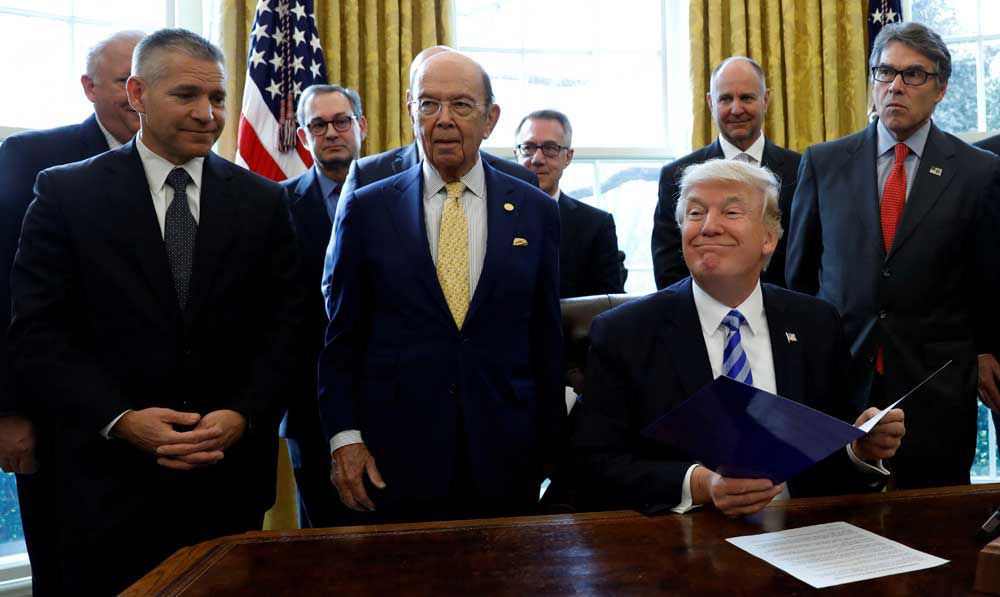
(453, 254)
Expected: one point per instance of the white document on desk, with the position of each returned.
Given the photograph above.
(835, 553)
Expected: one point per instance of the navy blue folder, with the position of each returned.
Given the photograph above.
(739, 431)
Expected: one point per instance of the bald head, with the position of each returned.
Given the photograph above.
(109, 63)
(422, 57)
(738, 98)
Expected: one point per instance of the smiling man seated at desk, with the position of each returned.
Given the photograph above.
(650, 355)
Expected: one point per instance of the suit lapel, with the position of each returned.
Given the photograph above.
(92, 141)
(134, 218)
(499, 237)
(861, 182)
(689, 359)
(312, 217)
(772, 158)
(786, 353)
(405, 158)
(216, 224)
(927, 186)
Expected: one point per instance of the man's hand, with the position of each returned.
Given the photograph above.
(733, 497)
(150, 428)
(884, 439)
(349, 464)
(17, 445)
(989, 382)
(226, 427)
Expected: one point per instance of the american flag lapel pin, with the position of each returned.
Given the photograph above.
(790, 337)
(935, 171)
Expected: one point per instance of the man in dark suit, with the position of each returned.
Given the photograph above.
(650, 355)
(588, 245)
(896, 226)
(22, 157)
(154, 303)
(332, 127)
(441, 379)
(738, 98)
(990, 144)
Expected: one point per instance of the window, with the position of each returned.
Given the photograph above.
(608, 69)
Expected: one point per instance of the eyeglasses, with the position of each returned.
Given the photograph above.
(549, 150)
(914, 77)
(341, 124)
(460, 108)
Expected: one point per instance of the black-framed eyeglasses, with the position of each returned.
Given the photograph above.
(461, 108)
(341, 124)
(915, 77)
(549, 150)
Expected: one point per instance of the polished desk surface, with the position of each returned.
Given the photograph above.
(607, 553)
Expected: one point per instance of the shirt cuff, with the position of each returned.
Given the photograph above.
(686, 504)
(106, 431)
(345, 438)
(866, 467)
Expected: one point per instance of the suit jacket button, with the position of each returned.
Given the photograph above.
(886, 273)
(882, 314)
(452, 390)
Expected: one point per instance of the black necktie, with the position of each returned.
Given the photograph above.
(179, 229)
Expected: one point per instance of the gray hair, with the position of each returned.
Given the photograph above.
(556, 115)
(320, 89)
(921, 38)
(753, 63)
(147, 59)
(721, 170)
(95, 56)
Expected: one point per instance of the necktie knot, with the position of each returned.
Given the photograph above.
(746, 158)
(455, 190)
(902, 150)
(178, 179)
(733, 320)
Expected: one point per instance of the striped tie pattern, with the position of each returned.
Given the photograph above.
(453, 254)
(734, 359)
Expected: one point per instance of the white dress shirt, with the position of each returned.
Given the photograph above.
(756, 150)
(156, 169)
(474, 205)
(112, 142)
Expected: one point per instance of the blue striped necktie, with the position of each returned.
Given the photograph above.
(734, 359)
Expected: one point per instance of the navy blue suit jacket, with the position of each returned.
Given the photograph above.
(990, 144)
(588, 250)
(22, 157)
(97, 330)
(668, 260)
(925, 302)
(397, 368)
(649, 355)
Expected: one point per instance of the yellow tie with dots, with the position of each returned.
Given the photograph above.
(453, 254)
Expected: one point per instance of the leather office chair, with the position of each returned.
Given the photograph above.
(577, 314)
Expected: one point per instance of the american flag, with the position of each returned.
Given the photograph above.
(285, 58)
(880, 14)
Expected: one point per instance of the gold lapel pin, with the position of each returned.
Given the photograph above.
(520, 242)
(508, 206)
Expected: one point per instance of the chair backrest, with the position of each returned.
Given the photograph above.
(577, 314)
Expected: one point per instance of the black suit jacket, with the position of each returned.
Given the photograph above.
(668, 260)
(588, 250)
(649, 355)
(990, 144)
(925, 302)
(22, 157)
(97, 330)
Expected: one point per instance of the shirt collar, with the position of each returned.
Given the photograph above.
(756, 151)
(157, 168)
(474, 179)
(327, 185)
(113, 143)
(711, 312)
(915, 142)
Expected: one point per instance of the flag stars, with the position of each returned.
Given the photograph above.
(314, 69)
(277, 62)
(256, 58)
(279, 36)
(877, 16)
(297, 64)
(274, 89)
(296, 88)
(298, 37)
(282, 9)
(299, 11)
(259, 31)
(314, 42)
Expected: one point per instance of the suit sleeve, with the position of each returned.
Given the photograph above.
(615, 464)
(988, 258)
(547, 342)
(339, 361)
(354, 180)
(805, 240)
(264, 396)
(607, 267)
(52, 364)
(668, 260)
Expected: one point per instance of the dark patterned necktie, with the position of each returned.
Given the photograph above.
(179, 229)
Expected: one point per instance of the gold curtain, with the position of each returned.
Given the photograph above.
(812, 52)
(368, 46)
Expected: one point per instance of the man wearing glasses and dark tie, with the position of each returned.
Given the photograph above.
(896, 226)
(332, 127)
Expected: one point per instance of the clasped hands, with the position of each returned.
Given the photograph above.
(738, 497)
(152, 430)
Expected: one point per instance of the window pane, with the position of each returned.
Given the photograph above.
(11, 533)
(981, 464)
(153, 13)
(991, 58)
(54, 7)
(950, 18)
(957, 112)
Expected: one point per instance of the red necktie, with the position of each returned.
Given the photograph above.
(894, 196)
(893, 199)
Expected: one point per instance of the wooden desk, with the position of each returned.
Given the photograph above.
(608, 553)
